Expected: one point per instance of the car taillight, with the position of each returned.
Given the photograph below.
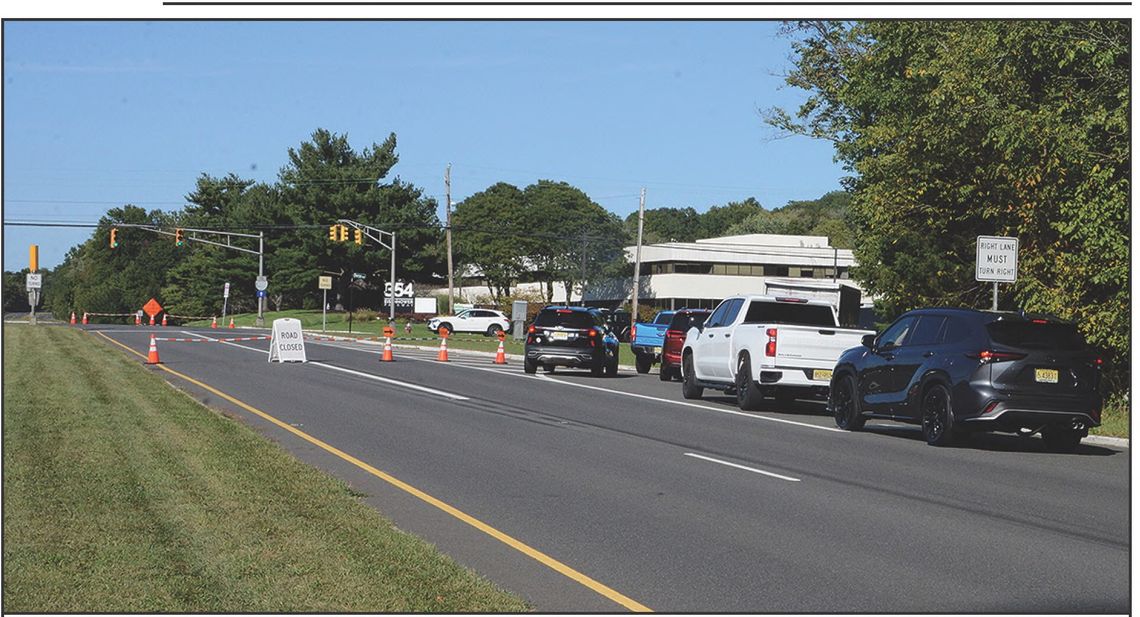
(632, 332)
(592, 333)
(988, 355)
(674, 334)
(530, 330)
(770, 348)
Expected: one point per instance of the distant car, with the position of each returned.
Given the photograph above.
(571, 336)
(619, 322)
(959, 370)
(484, 321)
(646, 339)
(682, 320)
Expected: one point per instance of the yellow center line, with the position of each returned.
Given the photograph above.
(519, 546)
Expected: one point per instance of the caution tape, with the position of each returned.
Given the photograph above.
(110, 314)
(213, 340)
(189, 317)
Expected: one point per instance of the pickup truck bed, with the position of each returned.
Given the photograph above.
(647, 339)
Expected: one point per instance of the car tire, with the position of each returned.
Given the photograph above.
(598, 369)
(548, 368)
(530, 367)
(643, 362)
(689, 387)
(666, 373)
(494, 329)
(612, 367)
(938, 417)
(748, 396)
(1061, 439)
(844, 405)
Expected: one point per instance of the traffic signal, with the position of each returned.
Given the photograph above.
(178, 241)
(344, 233)
(359, 237)
(333, 232)
(114, 237)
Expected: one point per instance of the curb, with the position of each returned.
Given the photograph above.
(1104, 440)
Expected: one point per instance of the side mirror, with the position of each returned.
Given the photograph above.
(869, 341)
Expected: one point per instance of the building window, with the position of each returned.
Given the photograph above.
(776, 270)
(807, 273)
(718, 269)
(693, 268)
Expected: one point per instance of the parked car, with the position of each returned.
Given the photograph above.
(679, 326)
(620, 322)
(761, 346)
(573, 336)
(647, 338)
(484, 321)
(958, 370)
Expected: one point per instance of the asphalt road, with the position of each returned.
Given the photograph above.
(595, 494)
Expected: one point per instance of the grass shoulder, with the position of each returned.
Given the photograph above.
(124, 495)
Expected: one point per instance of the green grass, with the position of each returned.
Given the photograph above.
(1114, 418)
(122, 494)
(338, 324)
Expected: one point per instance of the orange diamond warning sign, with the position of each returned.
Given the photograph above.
(152, 307)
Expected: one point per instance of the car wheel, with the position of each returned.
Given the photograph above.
(1061, 439)
(643, 362)
(612, 367)
(666, 373)
(937, 417)
(494, 329)
(748, 396)
(845, 405)
(598, 369)
(548, 368)
(689, 387)
(530, 367)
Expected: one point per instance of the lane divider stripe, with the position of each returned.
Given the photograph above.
(519, 546)
(752, 469)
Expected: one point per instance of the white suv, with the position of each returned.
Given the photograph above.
(472, 320)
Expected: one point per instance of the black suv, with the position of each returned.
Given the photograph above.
(960, 370)
(571, 336)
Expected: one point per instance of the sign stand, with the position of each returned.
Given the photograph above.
(325, 284)
(287, 343)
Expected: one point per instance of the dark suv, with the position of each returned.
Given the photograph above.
(572, 336)
(960, 370)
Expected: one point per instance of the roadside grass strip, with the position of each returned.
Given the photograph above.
(122, 494)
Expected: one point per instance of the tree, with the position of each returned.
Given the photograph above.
(826, 216)
(486, 230)
(954, 129)
(666, 225)
(717, 220)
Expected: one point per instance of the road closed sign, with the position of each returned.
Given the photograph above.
(997, 259)
(287, 343)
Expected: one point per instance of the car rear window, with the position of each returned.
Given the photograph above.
(663, 318)
(1029, 335)
(684, 321)
(794, 313)
(565, 318)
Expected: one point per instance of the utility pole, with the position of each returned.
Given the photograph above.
(582, 294)
(450, 271)
(637, 257)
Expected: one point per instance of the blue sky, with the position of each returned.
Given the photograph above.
(102, 113)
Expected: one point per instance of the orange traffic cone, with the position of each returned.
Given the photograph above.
(138, 320)
(73, 318)
(152, 320)
(443, 349)
(501, 355)
(387, 355)
(164, 320)
(84, 319)
(231, 322)
(152, 355)
(214, 324)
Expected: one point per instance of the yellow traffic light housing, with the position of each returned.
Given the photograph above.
(359, 237)
(344, 233)
(114, 237)
(333, 229)
(178, 239)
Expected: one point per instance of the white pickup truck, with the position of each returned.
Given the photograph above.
(757, 346)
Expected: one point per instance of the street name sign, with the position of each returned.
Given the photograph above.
(996, 259)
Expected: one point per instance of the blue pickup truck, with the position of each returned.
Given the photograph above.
(647, 339)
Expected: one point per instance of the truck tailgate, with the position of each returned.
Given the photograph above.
(811, 346)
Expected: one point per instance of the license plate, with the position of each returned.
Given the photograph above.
(1046, 375)
(559, 336)
(656, 350)
(821, 375)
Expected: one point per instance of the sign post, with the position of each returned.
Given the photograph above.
(324, 283)
(996, 261)
(225, 299)
(33, 283)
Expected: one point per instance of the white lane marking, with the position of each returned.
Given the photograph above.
(402, 384)
(752, 469)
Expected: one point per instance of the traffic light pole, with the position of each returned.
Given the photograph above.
(378, 236)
